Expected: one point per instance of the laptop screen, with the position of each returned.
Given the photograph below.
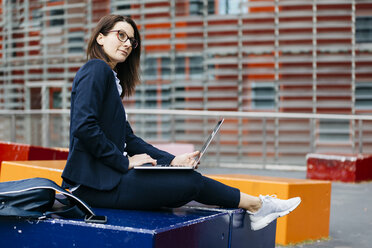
(208, 141)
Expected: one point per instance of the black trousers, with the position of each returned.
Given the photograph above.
(153, 189)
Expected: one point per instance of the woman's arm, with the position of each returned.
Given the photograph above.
(90, 91)
(136, 145)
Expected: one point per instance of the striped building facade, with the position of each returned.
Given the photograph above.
(279, 56)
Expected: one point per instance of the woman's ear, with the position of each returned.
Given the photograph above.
(100, 39)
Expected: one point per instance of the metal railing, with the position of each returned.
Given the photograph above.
(247, 139)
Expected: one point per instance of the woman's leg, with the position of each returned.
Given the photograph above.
(213, 192)
(216, 193)
(155, 189)
(250, 203)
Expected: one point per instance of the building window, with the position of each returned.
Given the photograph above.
(36, 18)
(332, 131)
(363, 95)
(150, 68)
(196, 7)
(76, 42)
(57, 100)
(232, 7)
(196, 67)
(363, 29)
(180, 67)
(57, 17)
(123, 7)
(165, 68)
(263, 95)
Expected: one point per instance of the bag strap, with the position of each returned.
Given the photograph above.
(67, 212)
(19, 186)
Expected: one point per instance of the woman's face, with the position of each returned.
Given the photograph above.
(115, 49)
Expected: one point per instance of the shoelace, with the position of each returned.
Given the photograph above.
(270, 197)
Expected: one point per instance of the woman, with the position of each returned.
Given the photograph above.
(104, 150)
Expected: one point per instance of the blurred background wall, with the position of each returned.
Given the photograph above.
(267, 56)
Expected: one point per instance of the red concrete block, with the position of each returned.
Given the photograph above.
(12, 151)
(20, 152)
(16, 152)
(350, 168)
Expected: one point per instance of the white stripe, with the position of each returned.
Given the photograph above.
(48, 187)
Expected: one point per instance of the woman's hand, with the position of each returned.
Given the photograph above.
(140, 159)
(187, 159)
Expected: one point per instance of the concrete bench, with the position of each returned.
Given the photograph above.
(16, 151)
(17, 170)
(19, 152)
(241, 234)
(337, 167)
(182, 227)
(310, 221)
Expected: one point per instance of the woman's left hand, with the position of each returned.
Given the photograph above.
(186, 159)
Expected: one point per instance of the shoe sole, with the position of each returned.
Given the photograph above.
(263, 222)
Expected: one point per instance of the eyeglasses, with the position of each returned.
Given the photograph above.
(123, 37)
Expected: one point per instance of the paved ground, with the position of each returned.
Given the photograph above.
(351, 210)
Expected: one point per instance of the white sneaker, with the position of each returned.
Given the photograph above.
(271, 209)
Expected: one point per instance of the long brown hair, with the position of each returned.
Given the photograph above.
(127, 71)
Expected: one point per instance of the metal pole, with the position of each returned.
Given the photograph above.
(65, 119)
(45, 119)
(13, 127)
(353, 74)
(264, 143)
(314, 87)
(172, 65)
(8, 49)
(142, 95)
(276, 80)
(240, 80)
(360, 136)
(205, 65)
(26, 91)
(89, 12)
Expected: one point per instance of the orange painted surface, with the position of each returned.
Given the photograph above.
(310, 221)
(17, 170)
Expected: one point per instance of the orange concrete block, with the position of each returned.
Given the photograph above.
(17, 170)
(310, 221)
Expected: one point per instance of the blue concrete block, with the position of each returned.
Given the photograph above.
(240, 234)
(183, 227)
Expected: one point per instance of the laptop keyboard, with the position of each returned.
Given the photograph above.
(159, 165)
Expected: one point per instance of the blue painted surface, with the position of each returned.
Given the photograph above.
(178, 228)
(243, 236)
(188, 226)
(240, 233)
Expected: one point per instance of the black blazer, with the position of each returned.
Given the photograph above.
(99, 130)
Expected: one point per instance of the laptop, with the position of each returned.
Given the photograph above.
(203, 150)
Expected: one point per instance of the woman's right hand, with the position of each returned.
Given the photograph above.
(140, 159)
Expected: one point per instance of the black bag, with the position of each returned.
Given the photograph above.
(37, 198)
